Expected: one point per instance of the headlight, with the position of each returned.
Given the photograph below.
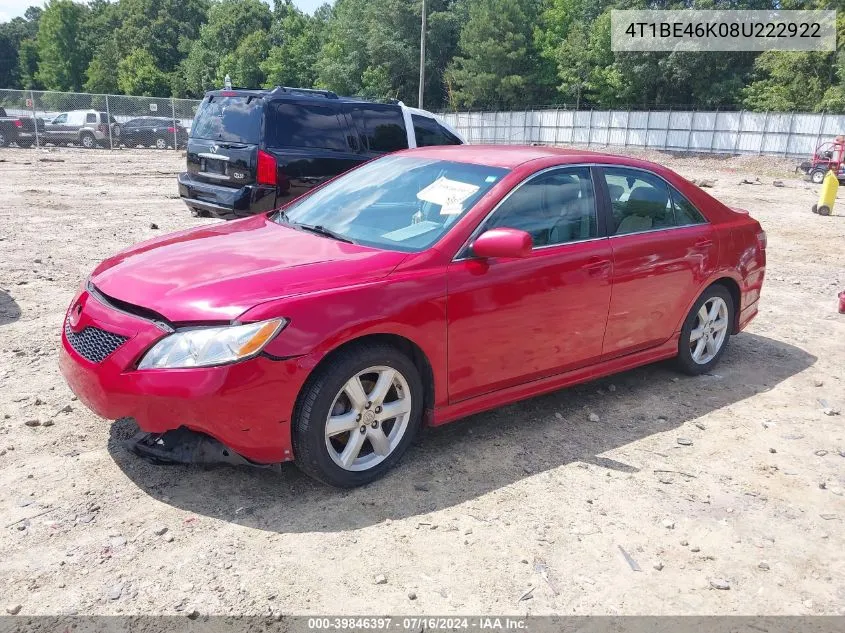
(202, 347)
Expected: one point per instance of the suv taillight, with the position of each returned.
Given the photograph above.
(762, 240)
(102, 128)
(171, 129)
(18, 123)
(266, 171)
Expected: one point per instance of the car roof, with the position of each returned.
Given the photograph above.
(512, 156)
(284, 92)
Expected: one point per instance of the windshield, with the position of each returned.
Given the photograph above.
(229, 119)
(399, 203)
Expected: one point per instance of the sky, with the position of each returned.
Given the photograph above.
(13, 8)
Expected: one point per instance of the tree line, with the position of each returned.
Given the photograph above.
(481, 54)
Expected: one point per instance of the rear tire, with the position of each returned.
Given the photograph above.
(25, 144)
(341, 434)
(706, 331)
(161, 143)
(817, 176)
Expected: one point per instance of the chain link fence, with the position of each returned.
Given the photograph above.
(94, 121)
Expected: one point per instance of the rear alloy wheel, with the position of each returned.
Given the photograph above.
(357, 415)
(706, 330)
(161, 143)
(88, 141)
(3, 140)
(818, 176)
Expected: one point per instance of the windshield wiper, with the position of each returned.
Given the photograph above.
(319, 229)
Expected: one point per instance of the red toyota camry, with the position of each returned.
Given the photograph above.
(419, 288)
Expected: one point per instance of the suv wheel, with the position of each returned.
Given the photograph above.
(88, 140)
(706, 331)
(161, 143)
(357, 415)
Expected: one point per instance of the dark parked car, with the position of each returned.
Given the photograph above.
(88, 128)
(19, 130)
(151, 131)
(253, 150)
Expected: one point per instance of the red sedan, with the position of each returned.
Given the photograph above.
(419, 288)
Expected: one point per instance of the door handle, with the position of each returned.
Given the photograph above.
(704, 243)
(596, 264)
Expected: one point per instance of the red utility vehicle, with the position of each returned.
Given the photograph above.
(421, 287)
(829, 155)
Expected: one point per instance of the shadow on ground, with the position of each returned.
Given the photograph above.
(467, 459)
(10, 311)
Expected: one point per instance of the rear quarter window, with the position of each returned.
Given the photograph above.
(305, 125)
(381, 127)
(429, 132)
(230, 119)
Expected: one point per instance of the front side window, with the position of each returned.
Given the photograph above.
(59, 120)
(305, 125)
(554, 207)
(398, 203)
(381, 127)
(429, 132)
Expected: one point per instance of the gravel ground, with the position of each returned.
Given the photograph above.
(723, 491)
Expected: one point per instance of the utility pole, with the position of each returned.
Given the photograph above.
(422, 57)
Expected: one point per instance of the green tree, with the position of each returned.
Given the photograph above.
(789, 81)
(137, 74)
(498, 64)
(244, 65)
(12, 36)
(296, 40)
(62, 62)
(229, 23)
(101, 75)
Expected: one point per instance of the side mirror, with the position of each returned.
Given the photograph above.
(502, 243)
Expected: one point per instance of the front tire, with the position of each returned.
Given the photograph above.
(818, 176)
(357, 415)
(161, 143)
(706, 331)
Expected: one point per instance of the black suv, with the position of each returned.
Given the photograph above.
(251, 151)
(151, 131)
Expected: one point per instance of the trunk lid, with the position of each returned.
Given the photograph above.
(224, 139)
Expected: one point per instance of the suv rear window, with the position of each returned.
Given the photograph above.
(381, 127)
(305, 125)
(230, 119)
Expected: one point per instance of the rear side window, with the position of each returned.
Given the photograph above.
(429, 132)
(381, 128)
(105, 117)
(229, 119)
(90, 118)
(685, 212)
(305, 125)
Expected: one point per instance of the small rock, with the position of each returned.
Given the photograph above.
(421, 487)
(38, 402)
(820, 453)
(831, 411)
(700, 426)
(822, 485)
(160, 530)
(669, 524)
(593, 417)
(685, 542)
(381, 579)
(558, 415)
(720, 583)
(117, 541)
(763, 565)
(193, 614)
(14, 609)
(818, 383)
(695, 548)
(611, 388)
(658, 566)
(115, 592)
(772, 450)
(33, 422)
(808, 604)
(412, 595)
(683, 441)
(777, 183)
(47, 422)
(153, 225)
(706, 183)
(169, 538)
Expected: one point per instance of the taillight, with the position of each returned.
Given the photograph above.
(761, 239)
(102, 128)
(266, 171)
(172, 130)
(18, 123)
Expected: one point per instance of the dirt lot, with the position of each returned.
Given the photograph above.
(522, 510)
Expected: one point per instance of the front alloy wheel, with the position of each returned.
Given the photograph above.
(368, 419)
(357, 414)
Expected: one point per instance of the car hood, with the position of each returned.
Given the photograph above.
(216, 273)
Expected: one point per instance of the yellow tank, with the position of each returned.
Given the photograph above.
(827, 196)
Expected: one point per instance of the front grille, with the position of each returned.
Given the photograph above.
(92, 343)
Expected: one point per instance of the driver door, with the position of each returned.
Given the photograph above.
(511, 321)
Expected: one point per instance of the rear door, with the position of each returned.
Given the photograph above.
(311, 142)
(224, 139)
(663, 251)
